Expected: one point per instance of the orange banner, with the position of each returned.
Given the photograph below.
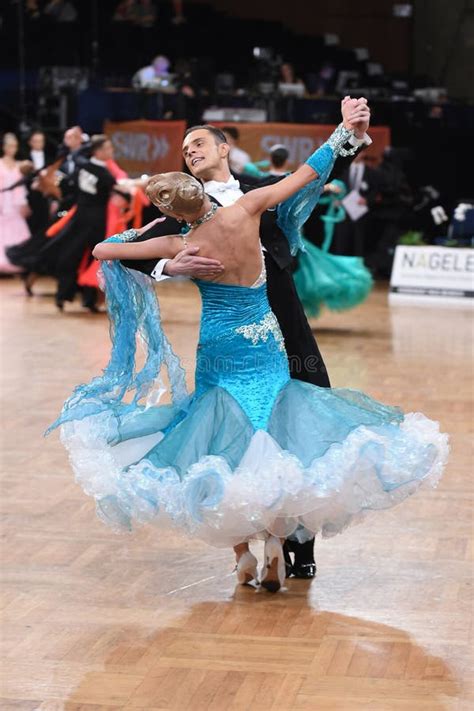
(300, 139)
(147, 146)
(155, 146)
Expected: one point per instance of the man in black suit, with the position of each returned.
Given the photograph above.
(39, 204)
(351, 237)
(205, 152)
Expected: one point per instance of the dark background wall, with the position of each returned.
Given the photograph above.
(437, 42)
(368, 23)
(444, 44)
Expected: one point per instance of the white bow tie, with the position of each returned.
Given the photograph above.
(214, 186)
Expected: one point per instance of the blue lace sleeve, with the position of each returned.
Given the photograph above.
(294, 212)
(133, 312)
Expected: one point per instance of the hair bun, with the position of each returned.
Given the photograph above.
(176, 191)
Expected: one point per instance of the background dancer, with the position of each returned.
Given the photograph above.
(13, 203)
(55, 184)
(87, 227)
(339, 282)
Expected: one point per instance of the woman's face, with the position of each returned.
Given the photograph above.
(10, 147)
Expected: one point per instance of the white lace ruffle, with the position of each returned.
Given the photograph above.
(270, 490)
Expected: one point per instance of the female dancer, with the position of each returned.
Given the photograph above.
(251, 453)
(13, 203)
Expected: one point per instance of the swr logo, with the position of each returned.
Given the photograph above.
(139, 146)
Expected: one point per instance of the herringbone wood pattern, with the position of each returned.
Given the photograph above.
(98, 622)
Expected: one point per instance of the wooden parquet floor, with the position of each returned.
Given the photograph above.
(93, 621)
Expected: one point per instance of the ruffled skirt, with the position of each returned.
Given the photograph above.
(326, 458)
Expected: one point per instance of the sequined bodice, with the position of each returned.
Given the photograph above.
(241, 348)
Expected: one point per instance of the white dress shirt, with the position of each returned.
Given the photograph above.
(364, 141)
(38, 160)
(356, 176)
(225, 193)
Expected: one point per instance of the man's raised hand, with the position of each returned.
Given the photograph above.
(187, 264)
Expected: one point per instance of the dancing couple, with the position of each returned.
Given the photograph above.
(252, 453)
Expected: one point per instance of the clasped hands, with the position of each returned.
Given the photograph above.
(355, 115)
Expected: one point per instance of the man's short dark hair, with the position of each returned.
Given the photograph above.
(219, 136)
(97, 142)
(232, 131)
(279, 156)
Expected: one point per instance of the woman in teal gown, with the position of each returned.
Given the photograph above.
(336, 281)
(251, 453)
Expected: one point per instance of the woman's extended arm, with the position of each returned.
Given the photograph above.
(259, 200)
(157, 247)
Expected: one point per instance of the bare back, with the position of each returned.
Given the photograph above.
(232, 237)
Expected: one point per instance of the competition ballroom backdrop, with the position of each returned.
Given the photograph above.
(93, 621)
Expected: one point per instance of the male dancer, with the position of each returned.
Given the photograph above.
(87, 227)
(205, 152)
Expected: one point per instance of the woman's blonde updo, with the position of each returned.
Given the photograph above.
(177, 192)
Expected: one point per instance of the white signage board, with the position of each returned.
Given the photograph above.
(433, 275)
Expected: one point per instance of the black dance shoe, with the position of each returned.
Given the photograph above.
(288, 563)
(28, 279)
(305, 571)
(304, 566)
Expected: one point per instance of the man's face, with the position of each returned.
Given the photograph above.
(73, 138)
(37, 142)
(202, 154)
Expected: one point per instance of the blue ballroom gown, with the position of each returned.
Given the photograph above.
(251, 450)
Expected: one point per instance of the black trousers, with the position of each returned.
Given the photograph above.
(304, 358)
(39, 206)
(86, 230)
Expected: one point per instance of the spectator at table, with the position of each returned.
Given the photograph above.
(159, 68)
(61, 11)
(288, 75)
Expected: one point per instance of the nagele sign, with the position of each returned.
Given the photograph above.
(433, 274)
